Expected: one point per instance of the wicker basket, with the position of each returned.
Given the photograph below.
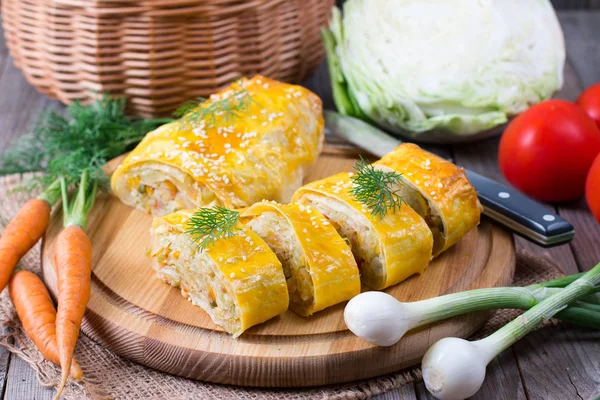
(160, 53)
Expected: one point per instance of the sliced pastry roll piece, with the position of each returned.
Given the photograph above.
(237, 280)
(317, 262)
(254, 140)
(387, 250)
(438, 190)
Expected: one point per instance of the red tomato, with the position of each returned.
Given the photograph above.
(592, 189)
(589, 100)
(546, 152)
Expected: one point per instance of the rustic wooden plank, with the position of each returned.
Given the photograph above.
(22, 383)
(575, 4)
(586, 245)
(582, 31)
(560, 362)
(5, 357)
(20, 104)
(406, 392)
(503, 381)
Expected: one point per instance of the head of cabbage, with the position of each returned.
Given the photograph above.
(454, 66)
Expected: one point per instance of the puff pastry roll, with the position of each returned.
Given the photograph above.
(317, 262)
(252, 141)
(387, 250)
(237, 280)
(438, 190)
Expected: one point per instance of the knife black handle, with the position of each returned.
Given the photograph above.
(518, 212)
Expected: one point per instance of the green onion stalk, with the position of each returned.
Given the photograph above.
(454, 368)
(382, 320)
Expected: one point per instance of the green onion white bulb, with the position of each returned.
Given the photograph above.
(380, 319)
(454, 369)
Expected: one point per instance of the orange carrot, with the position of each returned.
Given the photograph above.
(25, 229)
(36, 311)
(73, 262)
(21, 234)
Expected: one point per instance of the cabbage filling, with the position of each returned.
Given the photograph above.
(434, 222)
(424, 207)
(279, 235)
(356, 229)
(184, 266)
(151, 192)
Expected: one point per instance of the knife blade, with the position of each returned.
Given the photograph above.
(501, 203)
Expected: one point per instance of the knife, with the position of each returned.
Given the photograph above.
(501, 203)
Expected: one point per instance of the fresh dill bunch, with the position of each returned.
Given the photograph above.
(374, 189)
(209, 224)
(225, 110)
(84, 137)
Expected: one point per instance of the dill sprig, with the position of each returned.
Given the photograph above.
(209, 224)
(225, 110)
(374, 189)
(83, 138)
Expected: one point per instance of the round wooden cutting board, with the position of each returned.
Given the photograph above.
(139, 317)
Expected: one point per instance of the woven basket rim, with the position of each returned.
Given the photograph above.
(161, 8)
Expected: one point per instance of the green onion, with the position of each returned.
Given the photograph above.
(382, 320)
(454, 368)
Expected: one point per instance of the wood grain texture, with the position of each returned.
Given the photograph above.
(20, 103)
(22, 383)
(140, 317)
(576, 372)
(582, 31)
(5, 357)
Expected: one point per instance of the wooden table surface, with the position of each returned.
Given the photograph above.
(553, 363)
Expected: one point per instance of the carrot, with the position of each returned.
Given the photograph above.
(36, 311)
(73, 263)
(21, 234)
(25, 230)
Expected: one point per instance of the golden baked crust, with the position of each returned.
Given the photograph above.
(261, 153)
(325, 272)
(448, 192)
(245, 274)
(401, 242)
